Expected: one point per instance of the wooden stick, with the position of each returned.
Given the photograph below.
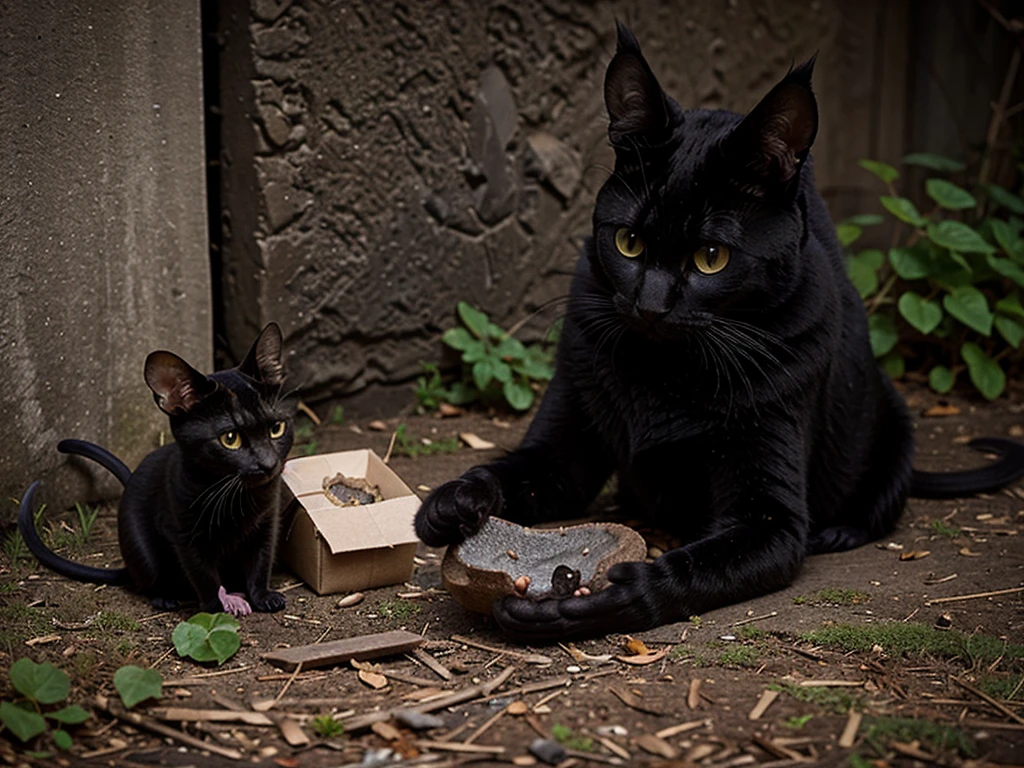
(289, 681)
(456, 697)
(391, 447)
(483, 728)
(776, 750)
(197, 679)
(523, 690)
(986, 698)
(614, 748)
(431, 663)
(309, 412)
(741, 622)
(529, 658)
(833, 683)
(163, 656)
(762, 704)
(458, 746)
(675, 730)
(546, 699)
(145, 723)
(955, 598)
(850, 731)
(693, 697)
(394, 674)
(185, 714)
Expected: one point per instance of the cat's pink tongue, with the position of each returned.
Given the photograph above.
(233, 603)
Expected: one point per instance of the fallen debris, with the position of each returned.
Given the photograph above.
(849, 733)
(475, 442)
(762, 704)
(337, 651)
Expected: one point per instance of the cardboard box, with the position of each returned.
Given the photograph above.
(336, 548)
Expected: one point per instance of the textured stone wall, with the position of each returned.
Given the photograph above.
(103, 248)
(384, 160)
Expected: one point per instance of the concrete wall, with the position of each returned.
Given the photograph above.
(384, 160)
(103, 247)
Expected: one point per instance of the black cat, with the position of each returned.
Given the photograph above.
(716, 356)
(200, 516)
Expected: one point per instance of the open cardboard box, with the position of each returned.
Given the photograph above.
(338, 548)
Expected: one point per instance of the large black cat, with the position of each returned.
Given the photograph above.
(716, 356)
(199, 517)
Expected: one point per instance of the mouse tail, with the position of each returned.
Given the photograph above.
(100, 455)
(947, 485)
(53, 561)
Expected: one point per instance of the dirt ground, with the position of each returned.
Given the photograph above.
(951, 696)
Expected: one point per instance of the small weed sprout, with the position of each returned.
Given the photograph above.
(326, 727)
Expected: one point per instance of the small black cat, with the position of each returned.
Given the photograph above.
(716, 356)
(200, 516)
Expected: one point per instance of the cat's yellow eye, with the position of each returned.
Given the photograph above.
(277, 429)
(711, 259)
(231, 440)
(629, 243)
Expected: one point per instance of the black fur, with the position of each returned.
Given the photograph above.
(742, 410)
(198, 519)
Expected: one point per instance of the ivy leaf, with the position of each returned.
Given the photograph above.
(969, 305)
(510, 349)
(458, 338)
(924, 315)
(1008, 240)
(903, 209)
(957, 236)
(502, 371)
(483, 373)
(135, 684)
(474, 319)
(62, 739)
(1010, 330)
(862, 275)
(872, 257)
(866, 219)
(188, 637)
(894, 365)
(518, 395)
(22, 723)
(949, 195)
(1005, 198)
(910, 264)
(476, 350)
(70, 715)
(1007, 268)
(884, 171)
(460, 393)
(1010, 305)
(224, 643)
(986, 375)
(207, 637)
(883, 334)
(848, 233)
(934, 162)
(43, 683)
(941, 379)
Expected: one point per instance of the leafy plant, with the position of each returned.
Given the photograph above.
(207, 637)
(496, 366)
(399, 610)
(569, 739)
(942, 528)
(337, 417)
(86, 520)
(135, 684)
(40, 685)
(796, 722)
(405, 445)
(946, 294)
(326, 726)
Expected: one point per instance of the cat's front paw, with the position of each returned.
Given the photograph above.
(268, 602)
(457, 509)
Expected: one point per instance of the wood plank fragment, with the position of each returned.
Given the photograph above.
(614, 748)
(693, 697)
(849, 733)
(148, 724)
(435, 666)
(776, 750)
(762, 704)
(833, 683)
(292, 732)
(188, 715)
(458, 746)
(337, 651)
(675, 730)
(529, 658)
(632, 700)
(648, 742)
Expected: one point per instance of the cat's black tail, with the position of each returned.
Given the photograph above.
(947, 485)
(53, 561)
(101, 456)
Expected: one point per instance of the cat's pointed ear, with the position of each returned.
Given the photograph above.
(773, 140)
(635, 102)
(177, 386)
(264, 361)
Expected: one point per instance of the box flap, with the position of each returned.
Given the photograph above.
(387, 523)
(306, 475)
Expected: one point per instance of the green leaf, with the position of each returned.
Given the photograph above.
(224, 643)
(969, 305)
(22, 723)
(1007, 268)
(1005, 198)
(461, 393)
(1010, 330)
(135, 684)
(894, 365)
(496, 332)
(903, 209)
(957, 237)
(533, 368)
(848, 233)
(873, 257)
(949, 195)
(510, 349)
(502, 371)
(941, 379)
(62, 739)
(224, 621)
(1010, 305)
(866, 219)
(1008, 240)
(188, 637)
(925, 316)
(934, 162)
(474, 319)
(70, 715)
(986, 375)
(910, 264)
(518, 395)
(884, 171)
(483, 373)
(477, 350)
(204, 620)
(43, 683)
(883, 334)
(458, 338)
(862, 275)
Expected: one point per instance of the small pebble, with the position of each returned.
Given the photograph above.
(612, 730)
(551, 752)
(350, 600)
(518, 708)
(418, 721)
(512, 553)
(573, 669)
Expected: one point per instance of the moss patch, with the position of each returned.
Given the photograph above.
(938, 738)
(898, 638)
(837, 700)
(833, 596)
